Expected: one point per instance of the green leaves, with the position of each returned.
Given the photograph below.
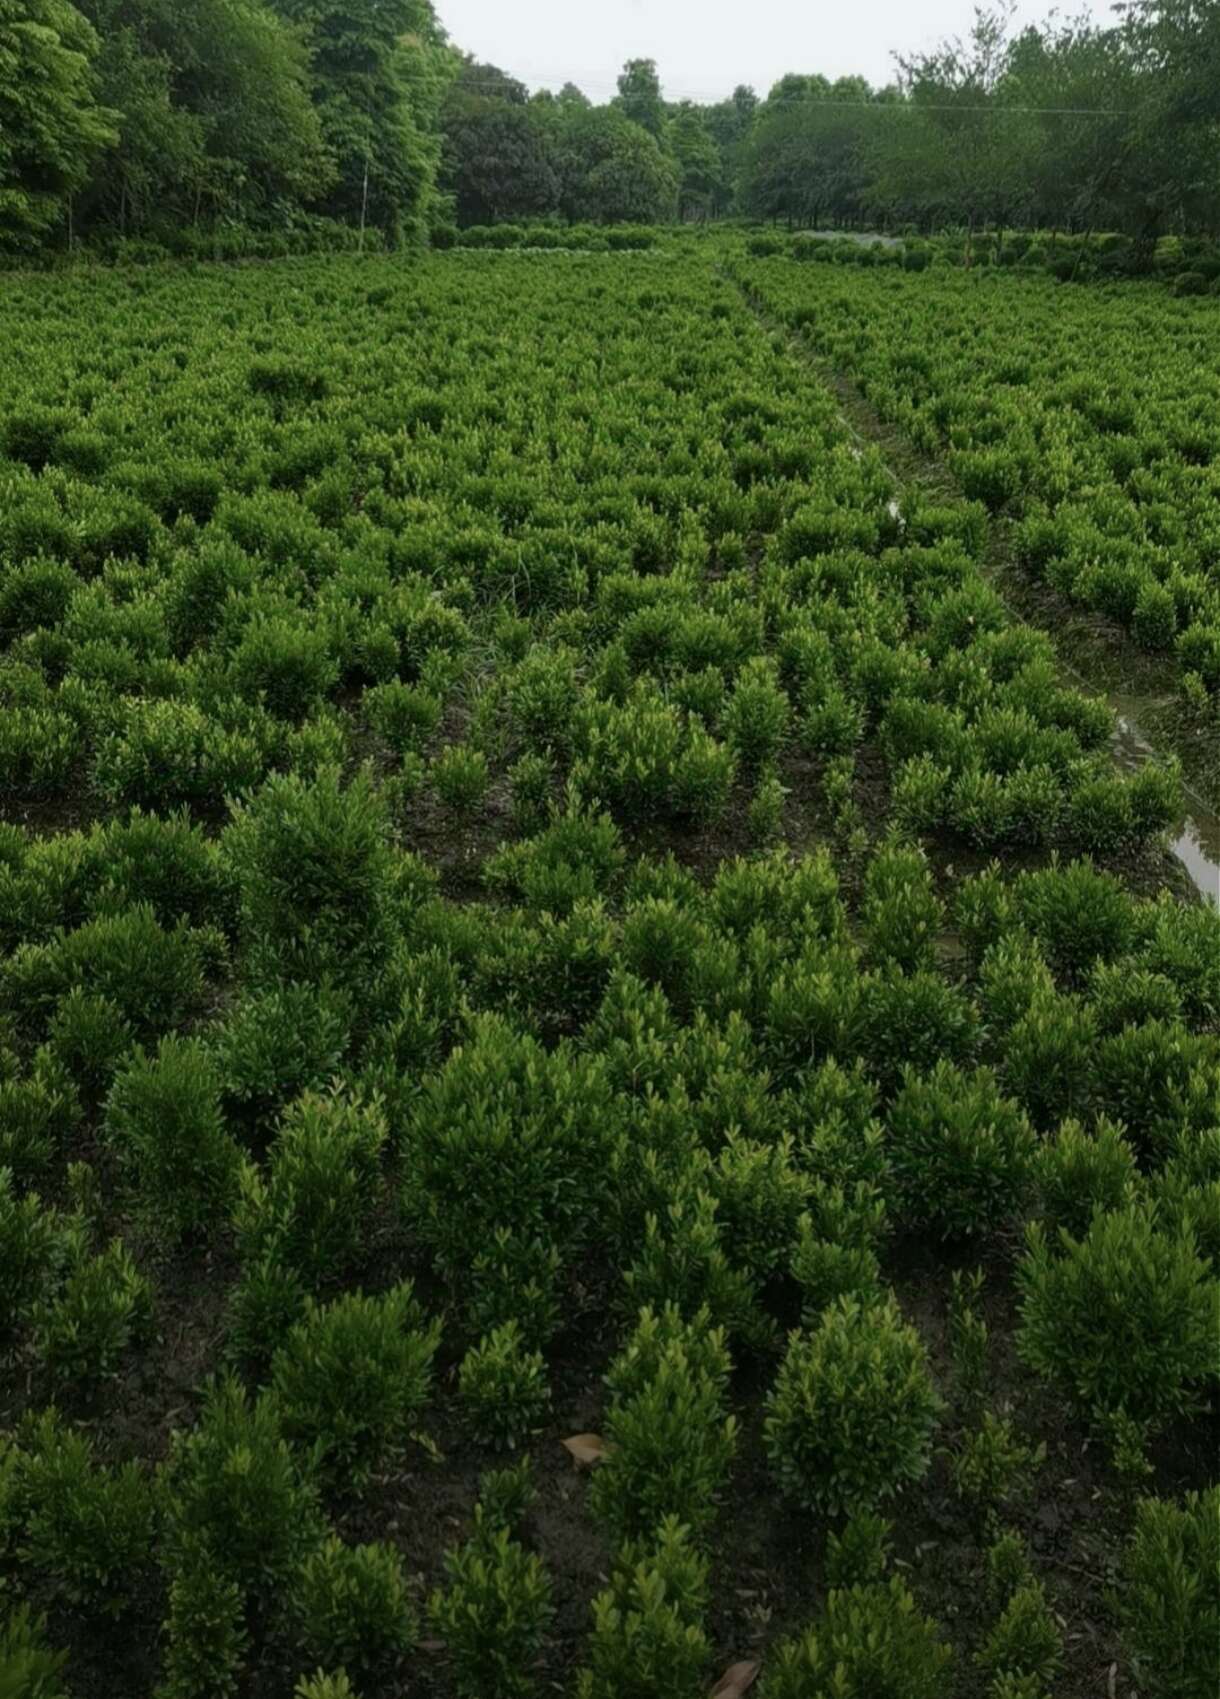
(851, 1415)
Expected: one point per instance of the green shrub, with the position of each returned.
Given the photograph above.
(266, 1301)
(239, 1503)
(312, 863)
(205, 1633)
(29, 1669)
(760, 1194)
(642, 759)
(38, 749)
(1168, 1603)
(532, 781)
(916, 1019)
(163, 1121)
(648, 1635)
(279, 1043)
(1080, 1172)
(900, 914)
(756, 719)
(670, 1444)
(351, 1376)
(1078, 915)
(154, 976)
(323, 1686)
(286, 381)
(961, 1153)
(1013, 977)
(993, 1464)
(404, 715)
(1189, 283)
(858, 1555)
(1050, 1058)
(852, 1412)
(1026, 1640)
(353, 1606)
(1187, 1189)
(683, 1261)
(870, 1642)
(35, 1114)
(1143, 1076)
(506, 1137)
(285, 665)
(1154, 622)
(104, 1304)
(166, 753)
(505, 1496)
(1123, 1319)
(492, 1615)
(835, 1254)
(311, 1207)
(89, 1527)
(461, 777)
(31, 1243)
(503, 1388)
(766, 812)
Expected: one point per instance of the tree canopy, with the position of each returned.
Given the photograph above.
(52, 124)
(147, 116)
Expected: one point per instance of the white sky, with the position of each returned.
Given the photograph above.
(703, 48)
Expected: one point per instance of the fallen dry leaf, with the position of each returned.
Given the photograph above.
(735, 1680)
(587, 1449)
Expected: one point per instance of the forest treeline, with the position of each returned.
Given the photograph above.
(150, 120)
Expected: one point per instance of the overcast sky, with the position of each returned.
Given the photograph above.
(705, 47)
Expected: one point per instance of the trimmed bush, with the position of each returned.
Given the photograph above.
(962, 1154)
(351, 1376)
(492, 1614)
(648, 1634)
(851, 1416)
(353, 1606)
(1167, 1603)
(870, 1642)
(1125, 1319)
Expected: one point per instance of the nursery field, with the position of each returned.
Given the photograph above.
(1087, 420)
(604, 1089)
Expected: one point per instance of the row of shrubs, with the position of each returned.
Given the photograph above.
(1056, 411)
(1190, 266)
(594, 238)
(307, 234)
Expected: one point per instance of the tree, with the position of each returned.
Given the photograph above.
(611, 171)
(950, 152)
(52, 126)
(639, 96)
(805, 159)
(368, 59)
(1172, 162)
(215, 116)
(699, 163)
(729, 124)
(497, 154)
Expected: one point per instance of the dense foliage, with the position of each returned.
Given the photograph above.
(275, 126)
(1090, 420)
(498, 946)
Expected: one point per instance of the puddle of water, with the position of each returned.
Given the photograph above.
(1197, 844)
